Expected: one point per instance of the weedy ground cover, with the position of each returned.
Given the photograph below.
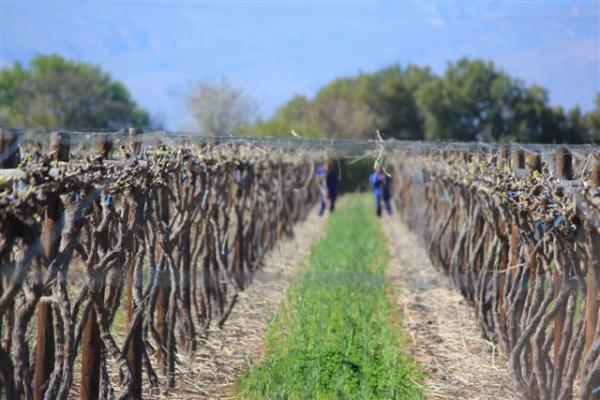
(334, 338)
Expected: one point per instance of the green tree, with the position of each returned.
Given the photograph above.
(386, 100)
(57, 93)
(356, 107)
(297, 114)
(592, 123)
(472, 100)
(476, 101)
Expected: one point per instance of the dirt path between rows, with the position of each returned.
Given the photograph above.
(445, 336)
(224, 355)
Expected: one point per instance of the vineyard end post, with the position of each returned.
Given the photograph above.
(564, 171)
(44, 346)
(9, 148)
(134, 143)
(104, 146)
(135, 347)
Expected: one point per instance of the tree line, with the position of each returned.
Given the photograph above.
(472, 100)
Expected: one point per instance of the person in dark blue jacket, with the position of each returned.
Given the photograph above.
(381, 185)
(327, 178)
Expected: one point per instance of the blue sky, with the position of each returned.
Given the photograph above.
(277, 49)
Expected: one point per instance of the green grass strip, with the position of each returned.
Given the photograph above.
(334, 338)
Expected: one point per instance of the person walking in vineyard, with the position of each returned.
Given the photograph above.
(381, 186)
(327, 178)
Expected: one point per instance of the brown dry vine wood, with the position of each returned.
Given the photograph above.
(142, 257)
(523, 248)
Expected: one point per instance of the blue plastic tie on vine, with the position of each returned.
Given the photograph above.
(596, 391)
(108, 199)
(558, 219)
(238, 175)
(541, 225)
(22, 186)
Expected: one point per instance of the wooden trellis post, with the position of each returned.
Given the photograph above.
(491, 156)
(517, 159)
(564, 163)
(9, 148)
(240, 245)
(91, 358)
(162, 301)
(503, 157)
(91, 353)
(135, 347)
(104, 146)
(517, 162)
(564, 170)
(133, 141)
(533, 160)
(44, 346)
(502, 161)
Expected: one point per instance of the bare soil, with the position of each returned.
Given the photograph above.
(442, 329)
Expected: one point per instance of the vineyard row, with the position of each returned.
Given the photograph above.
(519, 237)
(163, 238)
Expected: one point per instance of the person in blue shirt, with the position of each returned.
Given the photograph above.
(381, 185)
(327, 178)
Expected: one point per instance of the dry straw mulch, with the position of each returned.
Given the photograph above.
(442, 330)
